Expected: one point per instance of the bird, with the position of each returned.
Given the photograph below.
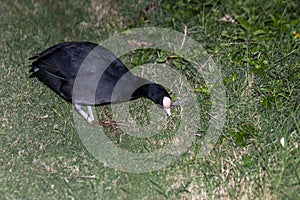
(88, 74)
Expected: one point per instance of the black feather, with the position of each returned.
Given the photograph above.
(62, 65)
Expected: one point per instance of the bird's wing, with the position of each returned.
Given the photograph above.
(62, 60)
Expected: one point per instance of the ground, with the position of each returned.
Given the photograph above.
(254, 43)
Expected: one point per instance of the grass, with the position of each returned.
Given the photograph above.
(42, 155)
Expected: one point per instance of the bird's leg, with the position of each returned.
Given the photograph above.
(88, 116)
(90, 113)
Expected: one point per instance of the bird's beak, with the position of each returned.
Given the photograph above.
(168, 111)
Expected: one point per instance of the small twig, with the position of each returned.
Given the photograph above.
(184, 37)
(88, 177)
(106, 123)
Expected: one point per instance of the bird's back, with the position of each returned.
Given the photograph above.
(93, 70)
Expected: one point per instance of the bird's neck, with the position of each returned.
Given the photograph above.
(142, 91)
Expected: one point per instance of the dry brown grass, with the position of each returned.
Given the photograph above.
(105, 14)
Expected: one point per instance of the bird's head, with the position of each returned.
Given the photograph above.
(159, 95)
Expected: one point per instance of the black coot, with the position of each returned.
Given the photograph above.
(71, 68)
